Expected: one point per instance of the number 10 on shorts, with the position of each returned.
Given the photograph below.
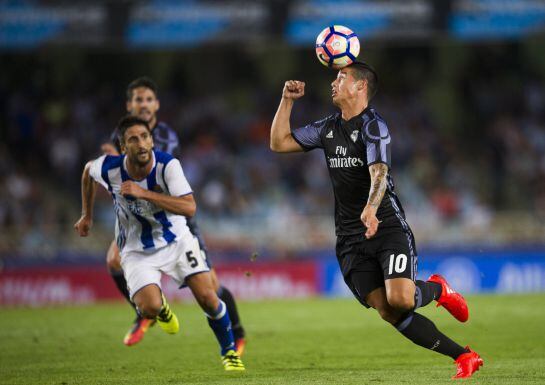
(399, 263)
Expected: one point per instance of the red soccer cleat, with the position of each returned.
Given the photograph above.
(240, 345)
(137, 331)
(467, 364)
(451, 300)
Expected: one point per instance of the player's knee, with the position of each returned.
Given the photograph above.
(150, 312)
(150, 309)
(114, 264)
(113, 260)
(401, 301)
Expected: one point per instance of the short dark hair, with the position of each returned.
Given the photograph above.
(142, 81)
(127, 122)
(363, 71)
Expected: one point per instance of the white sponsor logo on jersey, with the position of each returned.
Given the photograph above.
(345, 162)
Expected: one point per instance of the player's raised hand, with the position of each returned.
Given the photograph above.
(129, 188)
(108, 149)
(370, 221)
(83, 225)
(293, 89)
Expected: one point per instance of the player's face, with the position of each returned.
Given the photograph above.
(344, 87)
(144, 104)
(138, 144)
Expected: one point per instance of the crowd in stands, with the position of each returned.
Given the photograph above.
(480, 178)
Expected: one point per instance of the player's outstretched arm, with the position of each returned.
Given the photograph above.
(183, 205)
(281, 139)
(378, 172)
(88, 191)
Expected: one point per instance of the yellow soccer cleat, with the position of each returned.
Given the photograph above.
(232, 362)
(167, 319)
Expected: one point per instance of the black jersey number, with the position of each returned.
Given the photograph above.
(193, 262)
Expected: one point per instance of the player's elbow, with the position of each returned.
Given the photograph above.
(191, 209)
(274, 146)
(278, 146)
(277, 140)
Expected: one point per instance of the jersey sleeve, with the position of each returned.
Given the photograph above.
(377, 139)
(175, 179)
(310, 136)
(96, 170)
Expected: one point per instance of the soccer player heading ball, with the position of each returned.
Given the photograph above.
(375, 246)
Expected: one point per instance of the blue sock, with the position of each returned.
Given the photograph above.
(221, 325)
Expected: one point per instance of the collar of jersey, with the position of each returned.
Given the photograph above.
(354, 118)
(124, 165)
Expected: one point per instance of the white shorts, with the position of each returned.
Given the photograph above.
(179, 259)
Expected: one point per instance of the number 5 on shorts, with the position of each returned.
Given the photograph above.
(399, 263)
(193, 262)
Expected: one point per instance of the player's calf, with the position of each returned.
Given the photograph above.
(238, 330)
(218, 318)
(220, 323)
(426, 292)
(207, 300)
(423, 332)
(377, 299)
(221, 326)
(389, 314)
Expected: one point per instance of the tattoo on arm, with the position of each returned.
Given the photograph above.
(378, 172)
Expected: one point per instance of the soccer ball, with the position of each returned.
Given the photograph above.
(337, 46)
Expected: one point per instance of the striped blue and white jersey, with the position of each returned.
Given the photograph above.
(166, 139)
(141, 225)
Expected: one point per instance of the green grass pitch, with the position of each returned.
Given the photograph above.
(318, 341)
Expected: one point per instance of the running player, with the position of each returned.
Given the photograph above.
(375, 246)
(142, 101)
(151, 200)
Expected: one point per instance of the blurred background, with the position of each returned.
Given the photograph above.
(462, 88)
